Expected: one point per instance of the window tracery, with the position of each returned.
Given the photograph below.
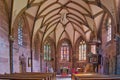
(20, 32)
(47, 52)
(65, 52)
(82, 51)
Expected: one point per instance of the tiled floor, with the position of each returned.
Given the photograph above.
(67, 77)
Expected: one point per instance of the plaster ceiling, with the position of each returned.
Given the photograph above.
(59, 19)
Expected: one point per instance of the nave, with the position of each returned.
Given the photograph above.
(38, 37)
(63, 79)
(59, 77)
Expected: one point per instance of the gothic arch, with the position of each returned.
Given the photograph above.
(24, 48)
(80, 64)
(25, 28)
(52, 55)
(62, 64)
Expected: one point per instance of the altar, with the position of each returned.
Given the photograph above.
(64, 70)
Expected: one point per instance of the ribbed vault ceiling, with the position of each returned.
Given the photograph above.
(59, 19)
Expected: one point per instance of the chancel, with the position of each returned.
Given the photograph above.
(60, 39)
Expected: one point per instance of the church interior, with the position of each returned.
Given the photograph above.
(59, 37)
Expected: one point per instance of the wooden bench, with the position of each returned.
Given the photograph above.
(94, 76)
(28, 75)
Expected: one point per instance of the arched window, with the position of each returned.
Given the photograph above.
(82, 51)
(65, 50)
(47, 52)
(109, 30)
(20, 34)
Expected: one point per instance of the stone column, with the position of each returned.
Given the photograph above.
(11, 40)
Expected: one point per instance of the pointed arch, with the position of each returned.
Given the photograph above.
(81, 49)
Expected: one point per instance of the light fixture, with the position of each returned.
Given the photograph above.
(11, 38)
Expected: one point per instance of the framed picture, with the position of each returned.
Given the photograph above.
(29, 62)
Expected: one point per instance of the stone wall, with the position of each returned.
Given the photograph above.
(24, 49)
(4, 43)
(108, 52)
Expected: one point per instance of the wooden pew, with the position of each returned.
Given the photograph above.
(49, 75)
(94, 76)
(28, 76)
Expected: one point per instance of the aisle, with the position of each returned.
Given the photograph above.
(60, 77)
(63, 79)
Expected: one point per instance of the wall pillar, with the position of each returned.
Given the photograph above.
(11, 39)
(11, 53)
(41, 62)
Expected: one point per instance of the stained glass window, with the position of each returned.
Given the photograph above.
(109, 30)
(82, 51)
(20, 33)
(47, 52)
(65, 50)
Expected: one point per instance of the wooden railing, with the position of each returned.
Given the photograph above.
(94, 76)
(28, 75)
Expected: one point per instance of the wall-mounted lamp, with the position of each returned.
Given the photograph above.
(11, 38)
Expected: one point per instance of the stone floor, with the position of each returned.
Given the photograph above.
(61, 77)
